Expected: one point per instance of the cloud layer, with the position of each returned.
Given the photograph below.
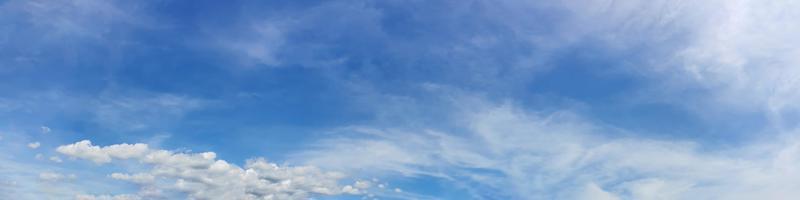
(523, 155)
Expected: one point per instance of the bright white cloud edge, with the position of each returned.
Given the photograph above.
(202, 176)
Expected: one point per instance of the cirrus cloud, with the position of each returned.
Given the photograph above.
(522, 155)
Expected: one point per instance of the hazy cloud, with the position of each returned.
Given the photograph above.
(559, 156)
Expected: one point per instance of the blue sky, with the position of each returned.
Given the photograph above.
(602, 99)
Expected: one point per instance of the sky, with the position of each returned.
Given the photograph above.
(353, 99)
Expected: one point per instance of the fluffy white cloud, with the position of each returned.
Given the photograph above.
(34, 145)
(202, 176)
(560, 156)
(85, 150)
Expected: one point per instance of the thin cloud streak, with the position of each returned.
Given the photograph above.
(558, 156)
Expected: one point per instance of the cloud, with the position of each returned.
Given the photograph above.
(593, 192)
(33, 145)
(141, 178)
(85, 150)
(107, 197)
(260, 47)
(55, 159)
(558, 155)
(202, 176)
(122, 111)
(52, 31)
(744, 53)
(738, 54)
(83, 18)
(45, 129)
(139, 112)
(54, 177)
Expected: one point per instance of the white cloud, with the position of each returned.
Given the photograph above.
(593, 192)
(745, 52)
(33, 145)
(740, 53)
(85, 150)
(54, 177)
(202, 176)
(108, 197)
(45, 129)
(55, 159)
(362, 184)
(560, 156)
(141, 178)
(259, 48)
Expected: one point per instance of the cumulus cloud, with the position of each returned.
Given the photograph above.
(560, 156)
(85, 150)
(34, 145)
(203, 176)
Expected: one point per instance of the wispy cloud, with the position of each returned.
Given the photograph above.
(525, 155)
(54, 177)
(122, 112)
(739, 54)
(110, 68)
